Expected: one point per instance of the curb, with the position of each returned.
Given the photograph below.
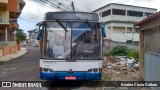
(1, 62)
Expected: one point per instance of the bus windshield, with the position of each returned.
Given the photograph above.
(72, 40)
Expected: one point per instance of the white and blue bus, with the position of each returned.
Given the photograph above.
(71, 46)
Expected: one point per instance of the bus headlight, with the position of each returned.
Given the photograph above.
(95, 70)
(50, 70)
(46, 69)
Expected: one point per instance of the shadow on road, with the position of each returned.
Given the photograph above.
(64, 85)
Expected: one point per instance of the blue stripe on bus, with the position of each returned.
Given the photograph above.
(61, 75)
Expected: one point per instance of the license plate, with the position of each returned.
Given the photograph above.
(70, 78)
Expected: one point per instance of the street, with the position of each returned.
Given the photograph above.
(25, 68)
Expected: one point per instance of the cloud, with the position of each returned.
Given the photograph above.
(35, 12)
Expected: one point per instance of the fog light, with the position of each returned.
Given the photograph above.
(90, 70)
(95, 70)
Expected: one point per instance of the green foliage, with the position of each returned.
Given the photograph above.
(123, 51)
(133, 53)
(119, 51)
(20, 36)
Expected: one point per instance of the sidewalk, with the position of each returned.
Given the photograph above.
(20, 53)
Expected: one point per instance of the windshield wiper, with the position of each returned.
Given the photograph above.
(62, 25)
(89, 25)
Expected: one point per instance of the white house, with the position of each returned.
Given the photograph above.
(120, 18)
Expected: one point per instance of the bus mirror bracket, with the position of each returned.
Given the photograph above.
(62, 25)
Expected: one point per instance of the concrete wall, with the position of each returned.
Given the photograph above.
(9, 49)
(119, 24)
(134, 8)
(118, 29)
(5, 17)
(6, 50)
(12, 5)
(121, 18)
(4, 1)
(126, 7)
(13, 49)
(123, 37)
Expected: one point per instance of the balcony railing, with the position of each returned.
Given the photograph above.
(122, 18)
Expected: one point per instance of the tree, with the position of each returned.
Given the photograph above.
(20, 35)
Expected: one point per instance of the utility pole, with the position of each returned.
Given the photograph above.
(73, 6)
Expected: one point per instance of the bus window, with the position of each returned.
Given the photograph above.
(58, 41)
(87, 45)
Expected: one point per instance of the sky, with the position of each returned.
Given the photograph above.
(34, 12)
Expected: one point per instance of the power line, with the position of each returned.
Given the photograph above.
(34, 1)
(68, 7)
(27, 20)
(55, 5)
(60, 3)
(46, 3)
(69, 1)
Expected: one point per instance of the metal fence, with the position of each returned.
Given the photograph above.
(152, 55)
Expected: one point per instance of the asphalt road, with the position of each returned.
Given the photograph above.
(25, 68)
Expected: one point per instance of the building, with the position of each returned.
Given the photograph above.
(32, 34)
(120, 18)
(10, 10)
(150, 48)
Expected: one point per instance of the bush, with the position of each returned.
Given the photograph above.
(119, 51)
(133, 53)
(123, 51)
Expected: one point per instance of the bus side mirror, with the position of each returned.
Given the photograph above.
(39, 35)
(103, 29)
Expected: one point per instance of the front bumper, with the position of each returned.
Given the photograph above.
(62, 75)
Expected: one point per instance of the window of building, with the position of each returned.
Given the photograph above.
(118, 12)
(106, 13)
(134, 13)
(148, 14)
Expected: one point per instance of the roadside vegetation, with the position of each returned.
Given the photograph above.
(123, 51)
(20, 35)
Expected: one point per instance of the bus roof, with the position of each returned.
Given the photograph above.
(52, 16)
